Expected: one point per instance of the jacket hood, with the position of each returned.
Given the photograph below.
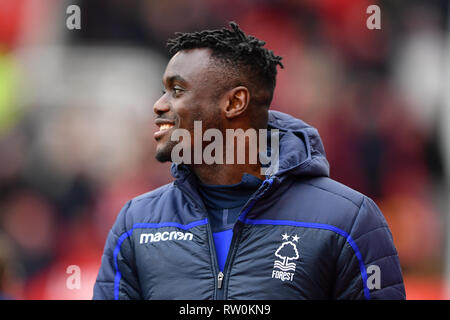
(301, 151)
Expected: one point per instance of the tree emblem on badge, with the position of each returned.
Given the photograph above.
(286, 252)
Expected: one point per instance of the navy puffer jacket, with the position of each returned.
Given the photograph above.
(301, 235)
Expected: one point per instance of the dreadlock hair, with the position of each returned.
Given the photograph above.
(243, 53)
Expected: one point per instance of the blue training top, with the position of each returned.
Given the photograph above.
(224, 203)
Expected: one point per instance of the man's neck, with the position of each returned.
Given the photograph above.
(223, 174)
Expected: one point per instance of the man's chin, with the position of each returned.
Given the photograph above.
(163, 155)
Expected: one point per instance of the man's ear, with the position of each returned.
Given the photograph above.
(238, 99)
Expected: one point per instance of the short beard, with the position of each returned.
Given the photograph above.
(165, 154)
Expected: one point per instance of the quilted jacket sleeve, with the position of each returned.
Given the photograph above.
(368, 266)
(116, 278)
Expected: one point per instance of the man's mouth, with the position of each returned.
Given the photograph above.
(163, 128)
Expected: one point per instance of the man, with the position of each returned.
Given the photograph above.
(227, 230)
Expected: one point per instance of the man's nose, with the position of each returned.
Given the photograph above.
(161, 106)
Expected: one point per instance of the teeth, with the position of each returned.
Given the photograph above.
(165, 127)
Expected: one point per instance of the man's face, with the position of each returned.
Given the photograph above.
(189, 95)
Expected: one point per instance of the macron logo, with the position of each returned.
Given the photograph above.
(164, 236)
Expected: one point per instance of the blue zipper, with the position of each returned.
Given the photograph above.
(224, 275)
(220, 275)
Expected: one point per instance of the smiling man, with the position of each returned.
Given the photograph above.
(226, 230)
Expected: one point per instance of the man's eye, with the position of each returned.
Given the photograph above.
(174, 90)
(177, 90)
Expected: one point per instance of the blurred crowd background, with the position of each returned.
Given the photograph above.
(76, 120)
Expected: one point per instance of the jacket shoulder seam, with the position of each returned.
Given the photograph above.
(338, 194)
(167, 187)
(364, 234)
